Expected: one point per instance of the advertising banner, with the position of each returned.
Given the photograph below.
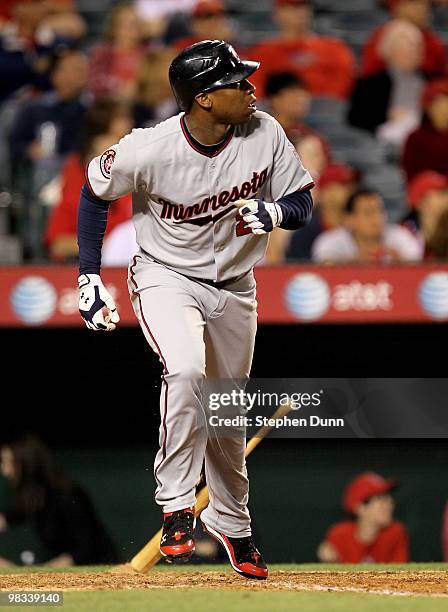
(48, 296)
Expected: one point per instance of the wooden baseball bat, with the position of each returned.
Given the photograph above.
(150, 554)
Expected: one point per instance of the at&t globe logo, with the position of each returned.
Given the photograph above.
(308, 296)
(433, 295)
(33, 300)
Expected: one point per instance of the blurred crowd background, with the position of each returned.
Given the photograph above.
(360, 87)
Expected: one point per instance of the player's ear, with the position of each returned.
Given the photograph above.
(204, 100)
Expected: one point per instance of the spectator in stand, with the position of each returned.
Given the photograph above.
(106, 122)
(114, 63)
(313, 149)
(325, 64)
(314, 153)
(49, 22)
(42, 133)
(371, 535)
(60, 510)
(428, 198)
(288, 100)
(20, 65)
(31, 32)
(154, 99)
(438, 243)
(155, 14)
(427, 147)
(62, 108)
(365, 236)
(108, 116)
(336, 184)
(418, 13)
(208, 21)
(388, 103)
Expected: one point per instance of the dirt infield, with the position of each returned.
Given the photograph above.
(433, 583)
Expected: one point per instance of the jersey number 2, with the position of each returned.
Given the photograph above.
(241, 229)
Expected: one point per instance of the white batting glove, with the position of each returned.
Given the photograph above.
(96, 304)
(259, 215)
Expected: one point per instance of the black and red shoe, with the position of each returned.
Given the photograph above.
(243, 554)
(177, 540)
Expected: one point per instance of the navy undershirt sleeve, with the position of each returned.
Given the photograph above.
(296, 208)
(92, 221)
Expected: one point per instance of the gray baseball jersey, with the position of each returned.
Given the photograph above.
(183, 200)
(187, 229)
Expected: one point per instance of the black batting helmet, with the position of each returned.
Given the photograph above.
(205, 66)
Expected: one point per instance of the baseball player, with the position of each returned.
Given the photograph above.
(208, 186)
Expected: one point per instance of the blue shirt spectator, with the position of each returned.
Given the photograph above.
(50, 124)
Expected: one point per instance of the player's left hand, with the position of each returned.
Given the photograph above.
(259, 215)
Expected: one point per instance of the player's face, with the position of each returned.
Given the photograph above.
(234, 104)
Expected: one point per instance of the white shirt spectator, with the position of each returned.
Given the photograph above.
(120, 246)
(338, 245)
(158, 9)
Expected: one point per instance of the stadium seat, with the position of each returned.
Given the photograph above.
(354, 28)
(326, 111)
(355, 147)
(351, 6)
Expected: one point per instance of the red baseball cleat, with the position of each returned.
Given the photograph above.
(178, 534)
(243, 554)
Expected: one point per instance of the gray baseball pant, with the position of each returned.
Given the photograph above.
(198, 331)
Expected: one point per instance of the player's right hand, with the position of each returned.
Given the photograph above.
(96, 304)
